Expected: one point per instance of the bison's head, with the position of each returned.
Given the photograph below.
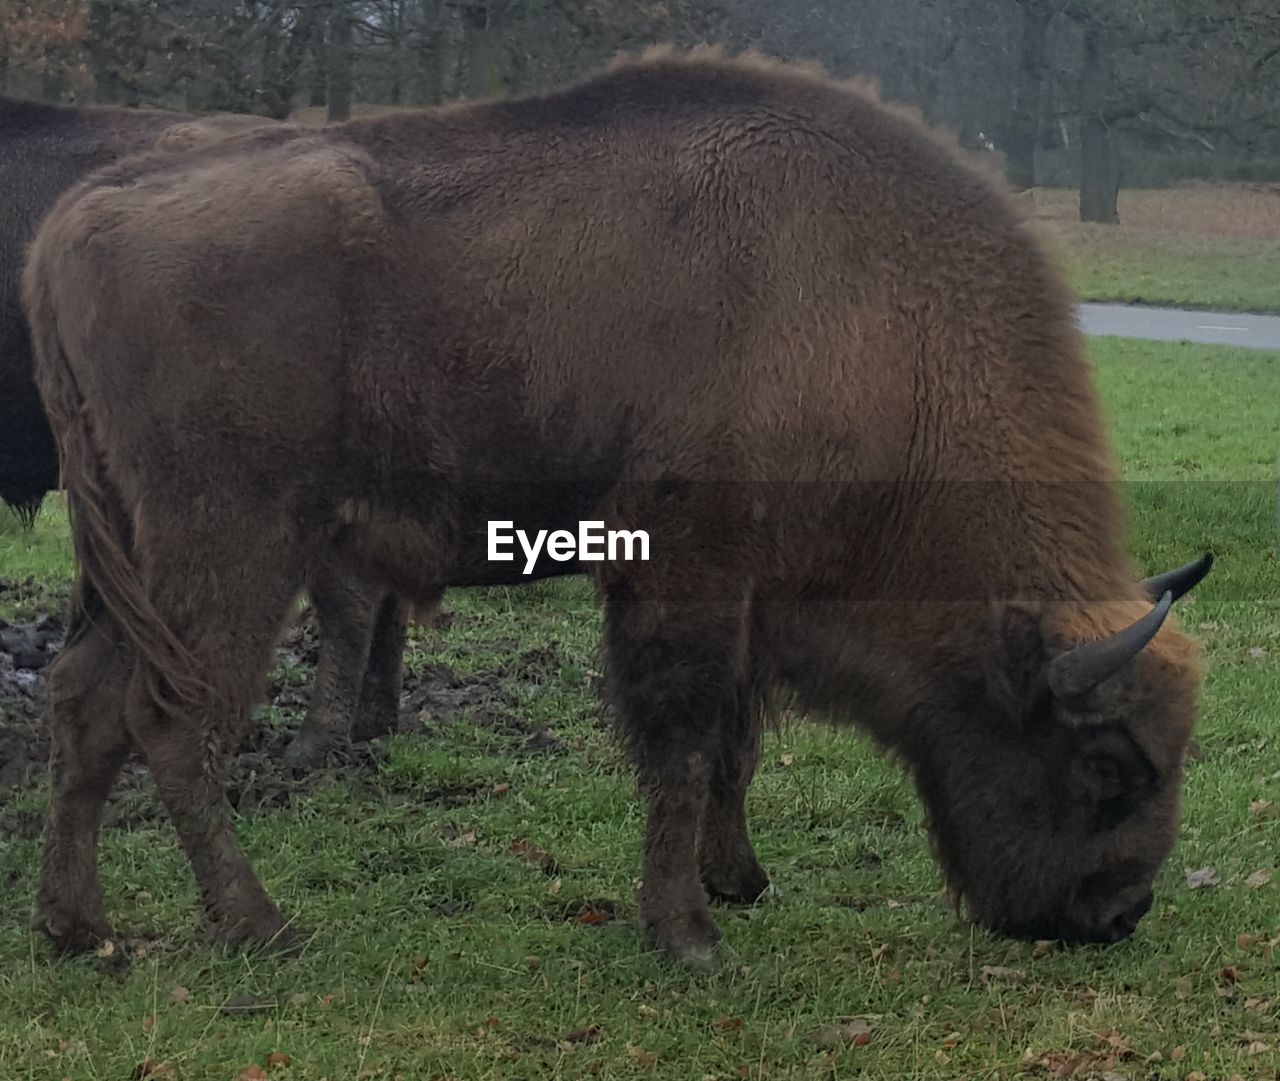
(1054, 796)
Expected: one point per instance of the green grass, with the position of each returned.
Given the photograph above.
(1213, 246)
(1172, 269)
(438, 954)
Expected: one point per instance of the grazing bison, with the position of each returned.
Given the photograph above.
(44, 150)
(744, 308)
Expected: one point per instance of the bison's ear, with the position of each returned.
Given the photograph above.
(1015, 669)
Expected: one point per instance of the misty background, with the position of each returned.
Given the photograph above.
(1088, 94)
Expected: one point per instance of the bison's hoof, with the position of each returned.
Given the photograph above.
(690, 938)
(308, 749)
(374, 724)
(741, 886)
(269, 931)
(71, 932)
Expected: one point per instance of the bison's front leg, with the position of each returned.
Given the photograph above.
(345, 611)
(674, 668)
(730, 869)
(379, 711)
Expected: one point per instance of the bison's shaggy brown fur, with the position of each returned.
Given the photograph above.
(44, 150)
(733, 303)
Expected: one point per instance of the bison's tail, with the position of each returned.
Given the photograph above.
(101, 527)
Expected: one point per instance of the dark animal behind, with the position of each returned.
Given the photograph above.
(44, 149)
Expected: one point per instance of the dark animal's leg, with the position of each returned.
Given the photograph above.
(730, 870)
(228, 612)
(673, 671)
(89, 746)
(379, 710)
(345, 610)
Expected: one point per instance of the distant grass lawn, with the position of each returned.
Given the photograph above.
(440, 954)
(1201, 246)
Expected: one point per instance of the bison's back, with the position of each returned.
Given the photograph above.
(696, 269)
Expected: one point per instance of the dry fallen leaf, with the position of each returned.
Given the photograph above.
(787, 759)
(181, 994)
(728, 1024)
(1262, 808)
(1115, 1043)
(1258, 1047)
(530, 853)
(1258, 879)
(465, 839)
(252, 1072)
(278, 1059)
(1066, 1064)
(999, 972)
(586, 1034)
(1183, 988)
(150, 1068)
(853, 1031)
(1230, 974)
(1204, 877)
(643, 1057)
(647, 1012)
(1178, 1054)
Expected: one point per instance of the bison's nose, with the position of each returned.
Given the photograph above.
(1123, 923)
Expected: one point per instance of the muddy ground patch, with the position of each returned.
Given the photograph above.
(435, 697)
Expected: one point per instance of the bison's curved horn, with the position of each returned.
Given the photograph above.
(1079, 670)
(1178, 582)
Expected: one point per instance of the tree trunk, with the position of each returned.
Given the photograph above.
(429, 55)
(341, 60)
(1024, 118)
(396, 91)
(53, 78)
(1099, 175)
(483, 44)
(295, 52)
(317, 87)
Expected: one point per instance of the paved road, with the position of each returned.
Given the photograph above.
(1177, 325)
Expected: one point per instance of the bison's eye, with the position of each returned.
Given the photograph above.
(1107, 776)
(1115, 778)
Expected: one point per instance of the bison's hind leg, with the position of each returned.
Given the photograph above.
(89, 746)
(226, 602)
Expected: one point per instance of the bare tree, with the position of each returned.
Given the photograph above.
(341, 60)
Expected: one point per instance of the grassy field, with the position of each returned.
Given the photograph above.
(448, 944)
(1201, 245)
